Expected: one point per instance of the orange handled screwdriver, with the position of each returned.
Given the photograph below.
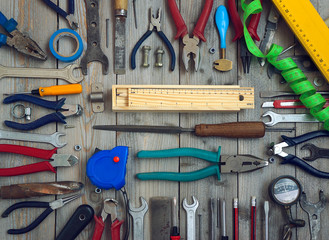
(55, 90)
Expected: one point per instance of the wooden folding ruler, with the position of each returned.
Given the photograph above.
(181, 98)
(309, 28)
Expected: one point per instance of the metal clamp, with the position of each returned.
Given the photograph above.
(25, 114)
(97, 97)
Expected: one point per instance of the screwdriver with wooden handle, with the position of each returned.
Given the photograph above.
(54, 90)
(228, 130)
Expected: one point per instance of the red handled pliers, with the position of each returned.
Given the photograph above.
(245, 55)
(191, 47)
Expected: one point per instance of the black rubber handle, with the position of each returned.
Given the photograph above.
(292, 141)
(291, 159)
(171, 49)
(78, 221)
(26, 204)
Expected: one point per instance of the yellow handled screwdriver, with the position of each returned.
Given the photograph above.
(55, 90)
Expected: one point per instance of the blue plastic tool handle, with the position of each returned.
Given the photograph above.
(222, 22)
(55, 105)
(138, 44)
(50, 118)
(59, 10)
(292, 141)
(3, 39)
(209, 156)
(10, 25)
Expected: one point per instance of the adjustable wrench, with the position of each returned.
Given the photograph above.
(65, 73)
(190, 216)
(280, 118)
(138, 219)
(313, 210)
(52, 139)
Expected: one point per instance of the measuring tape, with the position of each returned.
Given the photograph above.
(181, 98)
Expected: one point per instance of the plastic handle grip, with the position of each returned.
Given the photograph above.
(292, 141)
(297, 104)
(138, 44)
(291, 159)
(55, 105)
(3, 19)
(178, 19)
(56, 8)
(174, 237)
(27, 169)
(182, 152)
(234, 15)
(222, 22)
(25, 204)
(53, 117)
(181, 177)
(252, 27)
(3, 40)
(115, 229)
(99, 228)
(71, 7)
(203, 19)
(171, 49)
(60, 90)
(28, 151)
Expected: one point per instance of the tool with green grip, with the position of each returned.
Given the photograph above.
(224, 164)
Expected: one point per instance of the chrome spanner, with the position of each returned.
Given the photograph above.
(190, 216)
(280, 118)
(138, 219)
(313, 210)
(65, 73)
(53, 139)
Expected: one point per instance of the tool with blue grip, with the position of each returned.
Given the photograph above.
(17, 40)
(222, 23)
(223, 164)
(67, 111)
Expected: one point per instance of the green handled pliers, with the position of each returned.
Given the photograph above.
(224, 164)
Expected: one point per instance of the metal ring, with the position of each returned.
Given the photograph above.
(77, 147)
(66, 33)
(14, 108)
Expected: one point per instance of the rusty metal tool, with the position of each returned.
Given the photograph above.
(29, 190)
(229, 130)
(120, 12)
(315, 152)
(94, 51)
(135, 16)
(212, 219)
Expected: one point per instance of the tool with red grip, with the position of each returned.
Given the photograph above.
(191, 48)
(58, 160)
(236, 218)
(109, 208)
(290, 103)
(253, 218)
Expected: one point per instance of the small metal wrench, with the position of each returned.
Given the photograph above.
(53, 139)
(190, 216)
(313, 210)
(315, 152)
(65, 73)
(138, 219)
(279, 118)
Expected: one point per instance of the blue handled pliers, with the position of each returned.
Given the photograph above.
(17, 40)
(66, 111)
(69, 16)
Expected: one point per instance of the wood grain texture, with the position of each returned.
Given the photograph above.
(39, 21)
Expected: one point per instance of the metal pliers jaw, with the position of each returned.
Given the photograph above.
(155, 22)
(191, 50)
(72, 21)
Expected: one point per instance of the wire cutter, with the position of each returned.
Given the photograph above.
(67, 111)
(223, 164)
(154, 24)
(245, 55)
(50, 207)
(109, 208)
(277, 149)
(69, 16)
(58, 160)
(191, 48)
(17, 40)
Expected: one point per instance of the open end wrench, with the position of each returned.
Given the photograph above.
(313, 210)
(190, 216)
(52, 139)
(138, 219)
(315, 152)
(287, 118)
(65, 73)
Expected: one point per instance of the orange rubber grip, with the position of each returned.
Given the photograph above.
(60, 90)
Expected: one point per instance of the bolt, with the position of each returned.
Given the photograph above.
(146, 51)
(159, 56)
(212, 50)
(77, 147)
(28, 113)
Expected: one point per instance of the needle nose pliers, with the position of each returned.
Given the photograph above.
(154, 24)
(50, 207)
(17, 40)
(223, 164)
(277, 149)
(66, 111)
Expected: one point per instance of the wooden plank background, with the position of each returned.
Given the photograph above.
(39, 21)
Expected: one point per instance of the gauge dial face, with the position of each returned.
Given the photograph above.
(286, 191)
